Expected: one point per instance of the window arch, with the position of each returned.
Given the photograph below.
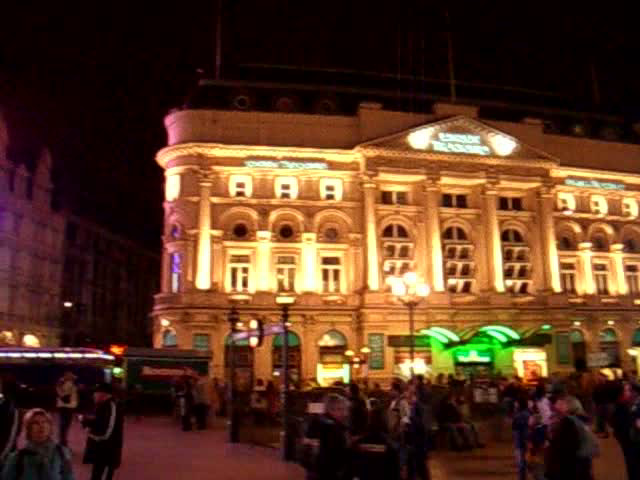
(608, 335)
(566, 243)
(459, 266)
(631, 240)
(516, 262)
(332, 338)
(169, 338)
(455, 233)
(398, 251)
(600, 242)
(609, 344)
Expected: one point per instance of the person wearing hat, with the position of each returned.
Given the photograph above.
(105, 437)
(41, 458)
(67, 402)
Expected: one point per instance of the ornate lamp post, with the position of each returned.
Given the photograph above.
(410, 292)
(288, 445)
(234, 321)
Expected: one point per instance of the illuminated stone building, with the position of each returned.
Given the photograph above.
(529, 241)
(31, 237)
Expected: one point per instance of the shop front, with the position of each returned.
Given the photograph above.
(333, 365)
(474, 361)
(401, 345)
(530, 363)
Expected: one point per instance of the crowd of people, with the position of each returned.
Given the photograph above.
(29, 449)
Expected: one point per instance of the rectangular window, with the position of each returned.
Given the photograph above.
(454, 201)
(331, 189)
(239, 273)
(330, 192)
(176, 272)
(286, 187)
(240, 186)
(286, 273)
(395, 197)
(510, 203)
(631, 274)
(601, 277)
(201, 341)
(331, 270)
(568, 277)
(285, 190)
(241, 189)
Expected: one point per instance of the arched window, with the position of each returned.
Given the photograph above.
(511, 235)
(578, 347)
(176, 271)
(635, 340)
(175, 232)
(169, 338)
(599, 242)
(293, 355)
(454, 233)
(332, 338)
(397, 250)
(566, 243)
(458, 260)
(516, 262)
(609, 344)
(240, 231)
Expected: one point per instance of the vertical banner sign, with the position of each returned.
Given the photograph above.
(376, 356)
(563, 348)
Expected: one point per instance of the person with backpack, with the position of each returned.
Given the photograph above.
(105, 437)
(42, 458)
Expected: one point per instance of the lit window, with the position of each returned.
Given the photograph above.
(175, 232)
(517, 265)
(394, 197)
(172, 188)
(568, 276)
(176, 271)
(169, 338)
(286, 187)
(601, 278)
(629, 207)
(239, 273)
(510, 203)
(240, 186)
(458, 263)
(201, 341)
(566, 202)
(331, 189)
(511, 235)
(331, 271)
(286, 273)
(631, 273)
(599, 205)
(398, 251)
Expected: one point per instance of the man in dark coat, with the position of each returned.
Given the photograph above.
(106, 429)
(329, 433)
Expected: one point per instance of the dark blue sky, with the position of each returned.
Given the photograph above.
(94, 82)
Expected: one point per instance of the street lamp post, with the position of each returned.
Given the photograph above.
(288, 446)
(234, 436)
(410, 292)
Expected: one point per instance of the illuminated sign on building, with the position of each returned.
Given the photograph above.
(582, 183)
(460, 143)
(286, 164)
(472, 356)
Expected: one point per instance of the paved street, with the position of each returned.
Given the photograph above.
(156, 449)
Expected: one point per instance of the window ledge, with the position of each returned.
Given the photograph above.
(240, 297)
(609, 299)
(333, 298)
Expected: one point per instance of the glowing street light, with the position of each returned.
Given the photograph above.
(410, 292)
(67, 304)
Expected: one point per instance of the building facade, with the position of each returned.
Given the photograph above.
(529, 242)
(31, 236)
(107, 287)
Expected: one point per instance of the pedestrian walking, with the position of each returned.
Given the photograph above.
(201, 401)
(41, 458)
(416, 438)
(520, 427)
(67, 403)
(106, 433)
(9, 421)
(625, 423)
(375, 457)
(358, 412)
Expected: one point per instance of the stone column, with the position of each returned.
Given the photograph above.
(586, 269)
(308, 262)
(433, 236)
(165, 271)
(548, 235)
(203, 267)
(492, 232)
(617, 250)
(263, 261)
(218, 259)
(373, 261)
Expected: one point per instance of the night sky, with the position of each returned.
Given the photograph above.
(94, 82)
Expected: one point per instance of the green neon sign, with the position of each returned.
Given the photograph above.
(503, 330)
(438, 336)
(286, 164)
(497, 335)
(472, 356)
(447, 333)
(546, 327)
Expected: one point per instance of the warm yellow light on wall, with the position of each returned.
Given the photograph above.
(420, 138)
(172, 188)
(502, 145)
